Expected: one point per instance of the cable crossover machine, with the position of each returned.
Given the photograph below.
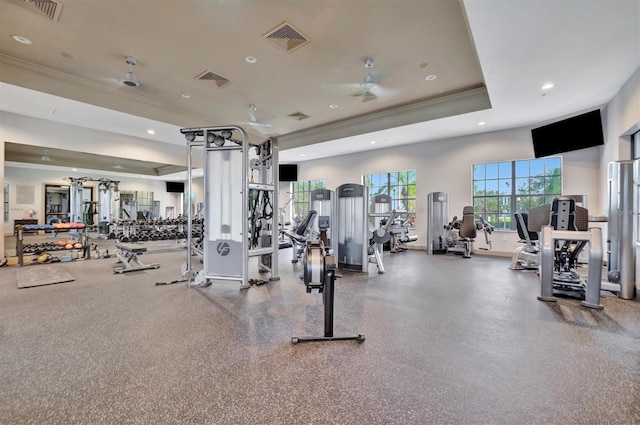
(240, 196)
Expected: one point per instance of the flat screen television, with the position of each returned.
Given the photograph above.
(288, 172)
(582, 131)
(175, 187)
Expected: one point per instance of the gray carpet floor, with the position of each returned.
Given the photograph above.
(448, 341)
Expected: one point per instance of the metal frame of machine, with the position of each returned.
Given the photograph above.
(353, 234)
(239, 218)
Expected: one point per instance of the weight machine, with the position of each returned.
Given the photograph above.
(282, 222)
(323, 201)
(108, 197)
(83, 211)
(460, 234)
(395, 223)
(353, 240)
(620, 237)
(240, 194)
(437, 214)
(564, 234)
(525, 256)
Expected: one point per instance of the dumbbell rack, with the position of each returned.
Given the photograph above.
(145, 230)
(81, 234)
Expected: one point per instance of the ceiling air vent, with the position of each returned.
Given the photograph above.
(286, 37)
(216, 78)
(299, 116)
(48, 8)
(365, 95)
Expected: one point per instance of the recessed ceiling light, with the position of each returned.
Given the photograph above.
(74, 169)
(373, 142)
(251, 59)
(547, 86)
(431, 77)
(151, 131)
(333, 106)
(186, 96)
(301, 154)
(21, 39)
(482, 123)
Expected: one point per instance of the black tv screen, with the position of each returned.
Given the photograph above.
(288, 172)
(177, 187)
(582, 131)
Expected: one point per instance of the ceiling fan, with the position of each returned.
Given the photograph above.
(253, 121)
(128, 79)
(369, 88)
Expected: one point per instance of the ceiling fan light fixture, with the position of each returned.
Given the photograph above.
(369, 81)
(130, 78)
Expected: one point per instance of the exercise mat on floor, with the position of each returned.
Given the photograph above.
(42, 275)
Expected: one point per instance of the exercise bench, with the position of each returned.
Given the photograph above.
(128, 260)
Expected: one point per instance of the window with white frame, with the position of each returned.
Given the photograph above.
(502, 188)
(400, 186)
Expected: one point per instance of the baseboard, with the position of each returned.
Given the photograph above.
(416, 247)
(493, 253)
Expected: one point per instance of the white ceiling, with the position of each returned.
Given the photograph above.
(587, 48)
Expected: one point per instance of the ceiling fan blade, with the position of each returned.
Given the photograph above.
(257, 124)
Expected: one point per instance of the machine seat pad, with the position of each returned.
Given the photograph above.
(130, 247)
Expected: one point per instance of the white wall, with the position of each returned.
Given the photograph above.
(445, 166)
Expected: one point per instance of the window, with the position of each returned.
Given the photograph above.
(300, 191)
(400, 185)
(502, 188)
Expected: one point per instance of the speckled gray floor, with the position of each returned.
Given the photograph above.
(449, 341)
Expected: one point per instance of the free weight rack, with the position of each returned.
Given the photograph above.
(79, 235)
(132, 231)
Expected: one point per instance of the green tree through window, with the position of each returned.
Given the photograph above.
(400, 185)
(502, 188)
